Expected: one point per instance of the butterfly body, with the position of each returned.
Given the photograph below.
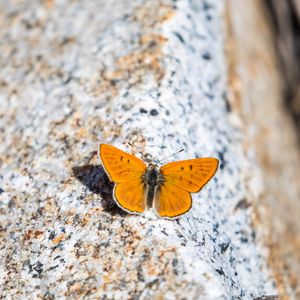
(139, 186)
(152, 179)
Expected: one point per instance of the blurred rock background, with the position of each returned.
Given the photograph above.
(285, 21)
(264, 72)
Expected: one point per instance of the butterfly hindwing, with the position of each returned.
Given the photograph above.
(190, 175)
(130, 195)
(119, 165)
(172, 201)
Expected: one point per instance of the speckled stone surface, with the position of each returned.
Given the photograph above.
(78, 73)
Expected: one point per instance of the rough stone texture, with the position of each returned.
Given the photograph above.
(77, 73)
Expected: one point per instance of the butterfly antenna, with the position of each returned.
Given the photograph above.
(171, 155)
(132, 147)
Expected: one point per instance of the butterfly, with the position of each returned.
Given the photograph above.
(139, 186)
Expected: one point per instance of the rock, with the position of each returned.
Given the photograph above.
(77, 74)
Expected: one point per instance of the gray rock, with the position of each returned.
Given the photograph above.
(77, 74)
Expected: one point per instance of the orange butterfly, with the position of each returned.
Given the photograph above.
(139, 186)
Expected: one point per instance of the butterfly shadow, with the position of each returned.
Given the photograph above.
(96, 180)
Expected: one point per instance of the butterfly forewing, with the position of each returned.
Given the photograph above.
(172, 201)
(119, 165)
(190, 175)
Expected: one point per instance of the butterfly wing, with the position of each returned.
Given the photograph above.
(126, 171)
(129, 195)
(180, 179)
(172, 201)
(119, 165)
(190, 175)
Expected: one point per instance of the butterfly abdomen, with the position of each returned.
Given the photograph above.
(152, 178)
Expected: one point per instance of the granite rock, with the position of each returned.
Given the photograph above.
(75, 74)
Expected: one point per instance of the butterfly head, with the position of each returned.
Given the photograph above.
(153, 176)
